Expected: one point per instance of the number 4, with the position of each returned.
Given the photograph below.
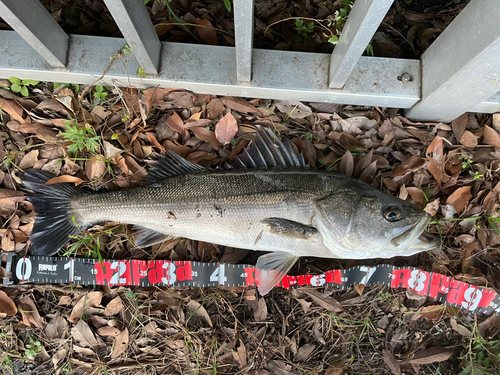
(219, 275)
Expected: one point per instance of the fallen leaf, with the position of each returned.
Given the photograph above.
(65, 178)
(238, 104)
(294, 109)
(29, 159)
(60, 354)
(13, 109)
(7, 306)
(336, 368)
(460, 328)
(458, 125)
(433, 312)
(468, 139)
(91, 299)
(459, 198)
(436, 160)
(108, 331)
(56, 328)
(110, 151)
(431, 355)
(240, 355)
(29, 313)
(206, 31)
(416, 194)
(347, 164)
(115, 306)
(491, 136)
(326, 302)
(260, 312)
(303, 353)
(175, 122)
(83, 334)
(391, 361)
(121, 344)
(206, 135)
(94, 168)
(197, 310)
(226, 129)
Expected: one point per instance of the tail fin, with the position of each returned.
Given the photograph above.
(53, 224)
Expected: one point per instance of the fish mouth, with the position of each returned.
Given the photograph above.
(413, 238)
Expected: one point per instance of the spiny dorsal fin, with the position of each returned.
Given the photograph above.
(170, 165)
(267, 151)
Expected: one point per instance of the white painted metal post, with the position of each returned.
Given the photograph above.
(243, 30)
(461, 68)
(133, 20)
(36, 26)
(362, 23)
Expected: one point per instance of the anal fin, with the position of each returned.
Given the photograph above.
(273, 267)
(145, 237)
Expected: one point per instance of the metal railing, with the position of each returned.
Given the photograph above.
(459, 72)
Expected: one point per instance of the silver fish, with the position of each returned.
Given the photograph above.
(268, 200)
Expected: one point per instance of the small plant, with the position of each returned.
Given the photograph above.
(130, 294)
(21, 86)
(309, 136)
(100, 93)
(227, 3)
(477, 176)
(32, 349)
(466, 162)
(383, 296)
(303, 31)
(82, 138)
(141, 72)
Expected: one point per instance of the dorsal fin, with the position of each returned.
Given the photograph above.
(170, 165)
(267, 151)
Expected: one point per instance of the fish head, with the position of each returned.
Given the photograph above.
(366, 223)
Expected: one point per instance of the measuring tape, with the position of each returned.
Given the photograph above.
(82, 271)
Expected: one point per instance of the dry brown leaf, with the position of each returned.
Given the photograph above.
(206, 135)
(198, 311)
(115, 306)
(206, 31)
(29, 313)
(121, 344)
(56, 328)
(347, 164)
(416, 194)
(460, 328)
(60, 354)
(436, 160)
(65, 178)
(240, 355)
(238, 104)
(431, 355)
(29, 159)
(410, 165)
(83, 334)
(326, 302)
(460, 198)
(468, 139)
(336, 368)
(391, 361)
(303, 353)
(152, 95)
(92, 299)
(175, 122)
(7, 306)
(108, 331)
(260, 313)
(13, 109)
(226, 129)
(433, 312)
(110, 151)
(491, 136)
(458, 125)
(94, 168)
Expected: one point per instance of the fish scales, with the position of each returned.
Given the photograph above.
(225, 207)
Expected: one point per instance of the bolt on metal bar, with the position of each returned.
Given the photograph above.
(36, 26)
(133, 20)
(461, 69)
(361, 25)
(243, 30)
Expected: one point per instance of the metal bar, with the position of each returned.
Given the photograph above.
(461, 68)
(243, 30)
(133, 20)
(361, 25)
(212, 70)
(490, 105)
(35, 25)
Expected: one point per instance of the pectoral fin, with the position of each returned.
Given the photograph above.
(273, 267)
(146, 237)
(289, 228)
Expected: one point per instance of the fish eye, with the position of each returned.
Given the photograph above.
(392, 213)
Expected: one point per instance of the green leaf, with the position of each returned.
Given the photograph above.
(97, 95)
(299, 23)
(24, 91)
(77, 88)
(29, 82)
(369, 49)
(141, 72)
(15, 87)
(99, 88)
(227, 3)
(15, 80)
(57, 85)
(333, 39)
(310, 26)
(103, 95)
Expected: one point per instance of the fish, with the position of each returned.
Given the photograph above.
(267, 200)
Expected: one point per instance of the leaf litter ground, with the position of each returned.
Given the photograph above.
(101, 141)
(450, 170)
